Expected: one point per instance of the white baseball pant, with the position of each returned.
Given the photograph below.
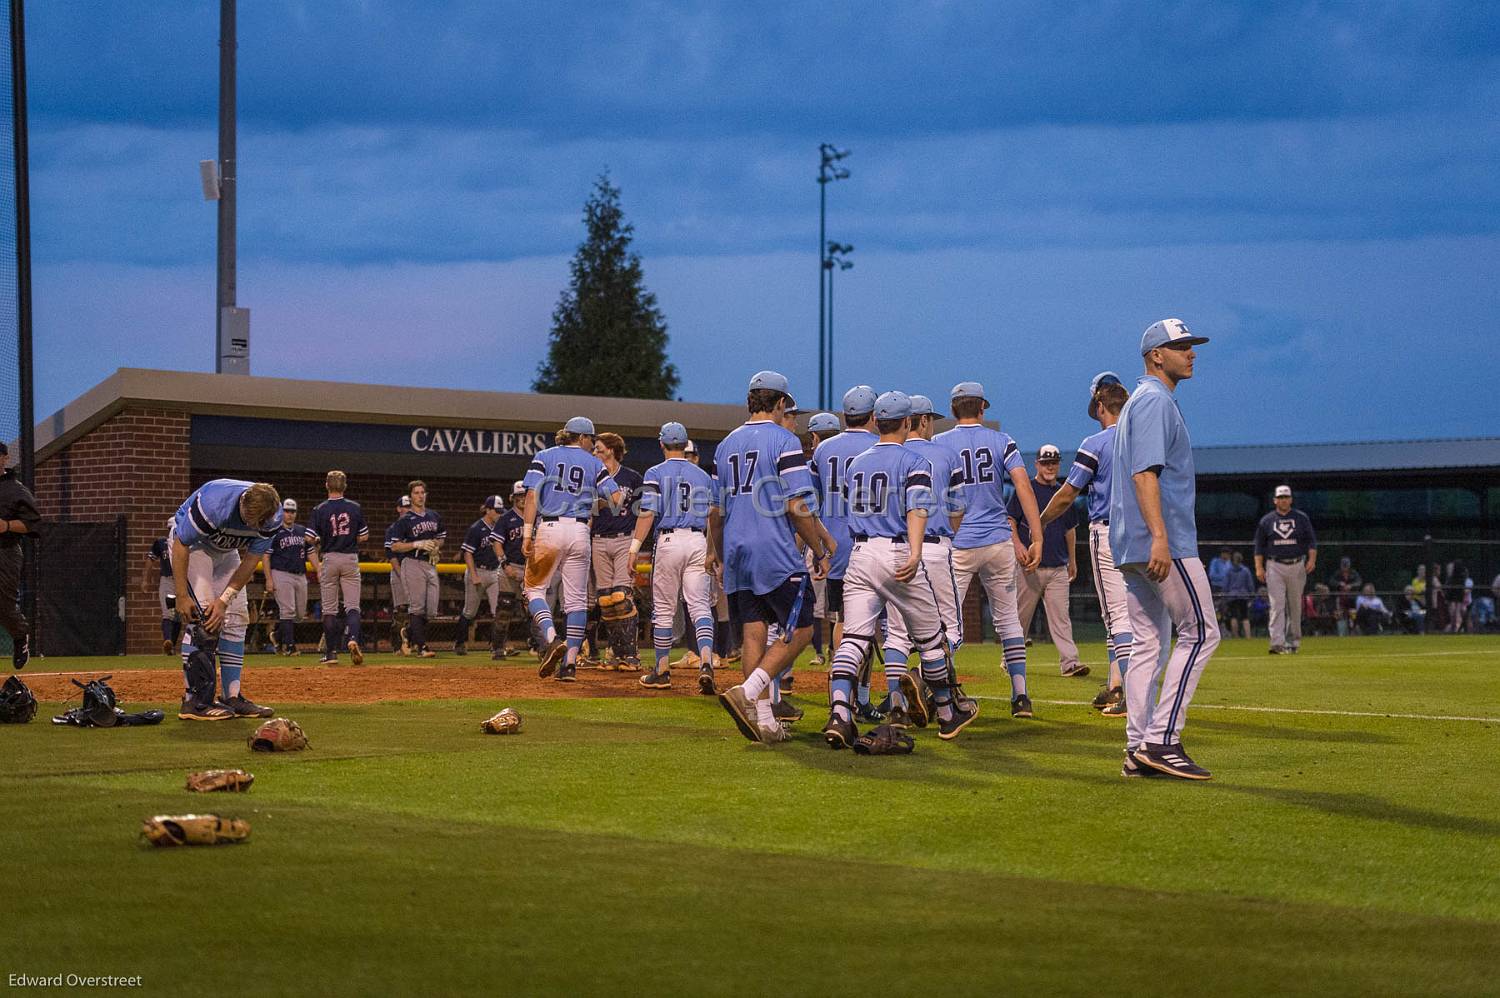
(937, 560)
(870, 588)
(995, 565)
(208, 572)
(677, 570)
(1181, 603)
(1110, 585)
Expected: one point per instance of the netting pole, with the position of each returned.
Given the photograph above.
(26, 396)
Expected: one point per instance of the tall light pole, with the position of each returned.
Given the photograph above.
(828, 172)
(835, 260)
(231, 323)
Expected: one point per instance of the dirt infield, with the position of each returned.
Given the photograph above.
(375, 684)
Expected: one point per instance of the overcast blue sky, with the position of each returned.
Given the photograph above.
(1315, 186)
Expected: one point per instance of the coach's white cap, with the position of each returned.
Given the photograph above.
(690, 447)
(405, 502)
(1283, 492)
(1049, 452)
(518, 489)
(290, 504)
(1168, 332)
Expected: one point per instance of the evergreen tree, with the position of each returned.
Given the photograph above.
(608, 337)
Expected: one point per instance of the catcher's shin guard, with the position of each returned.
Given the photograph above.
(621, 622)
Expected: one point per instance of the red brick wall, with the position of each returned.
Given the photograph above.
(134, 464)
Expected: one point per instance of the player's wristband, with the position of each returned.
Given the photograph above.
(635, 547)
(228, 595)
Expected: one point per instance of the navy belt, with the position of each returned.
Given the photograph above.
(1103, 520)
(549, 519)
(681, 530)
(1289, 561)
(932, 538)
(867, 537)
(618, 533)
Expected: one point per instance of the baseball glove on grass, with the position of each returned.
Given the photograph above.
(539, 565)
(507, 722)
(232, 781)
(280, 734)
(194, 830)
(884, 740)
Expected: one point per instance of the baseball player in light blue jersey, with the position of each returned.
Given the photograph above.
(676, 496)
(890, 496)
(830, 463)
(982, 545)
(820, 427)
(763, 487)
(1090, 476)
(937, 553)
(1154, 537)
(564, 486)
(211, 528)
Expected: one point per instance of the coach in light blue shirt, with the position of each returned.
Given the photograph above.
(1154, 537)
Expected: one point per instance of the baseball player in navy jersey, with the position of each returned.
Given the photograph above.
(614, 566)
(507, 533)
(1090, 476)
(763, 487)
(1286, 553)
(675, 499)
(889, 496)
(212, 526)
(286, 577)
(419, 536)
(481, 556)
(937, 558)
(830, 461)
(1154, 537)
(335, 532)
(158, 576)
(563, 486)
(982, 544)
(400, 642)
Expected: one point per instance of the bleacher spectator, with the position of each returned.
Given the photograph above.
(1411, 614)
(1260, 609)
(1370, 613)
(1239, 587)
(1317, 610)
(1482, 614)
(1419, 584)
(1459, 589)
(1218, 571)
(1345, 586)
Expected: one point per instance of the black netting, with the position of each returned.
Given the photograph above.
(10, 367)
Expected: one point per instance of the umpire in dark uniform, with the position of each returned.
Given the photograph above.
(18, 516)
(1286, 553)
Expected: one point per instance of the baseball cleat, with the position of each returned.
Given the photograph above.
(869, 713)
(899, 718)
(915, 692)
(21, 652)
(356, 653)
(166, 647)
(1116, 709)
(191, 710)
(1275, 651)
(840, 734)
(405, 641)
(328, 659)
(786, 681)
(962, 716)
(1130, 769)
(706, 682)
(656, 680)
(243, 706)
(567, 673)
(774, 734)
(784, 710)
(426, 652)
(551, 656)
(1020, 706)
(1077, 672)
(498, 653)
(459, 648)
(1171, 760)
(1107, 695)
(739, 707)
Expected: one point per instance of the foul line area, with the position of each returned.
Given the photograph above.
(1287, 710)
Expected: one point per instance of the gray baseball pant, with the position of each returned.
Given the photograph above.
(1284, 586)
(1049, 586)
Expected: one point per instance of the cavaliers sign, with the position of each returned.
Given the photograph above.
(500, 443)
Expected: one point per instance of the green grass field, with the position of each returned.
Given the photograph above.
(1349, 844)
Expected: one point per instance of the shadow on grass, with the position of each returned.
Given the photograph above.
(1372, 808)
(1285, 733)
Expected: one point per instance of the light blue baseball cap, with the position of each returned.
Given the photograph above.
(580, 424)
(859, 400)
(921, 405)
(770, 381)
(968, 390)
(823, 422)
(1100, 380)
(673, 435)
(893, 405)
(1168, 332)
